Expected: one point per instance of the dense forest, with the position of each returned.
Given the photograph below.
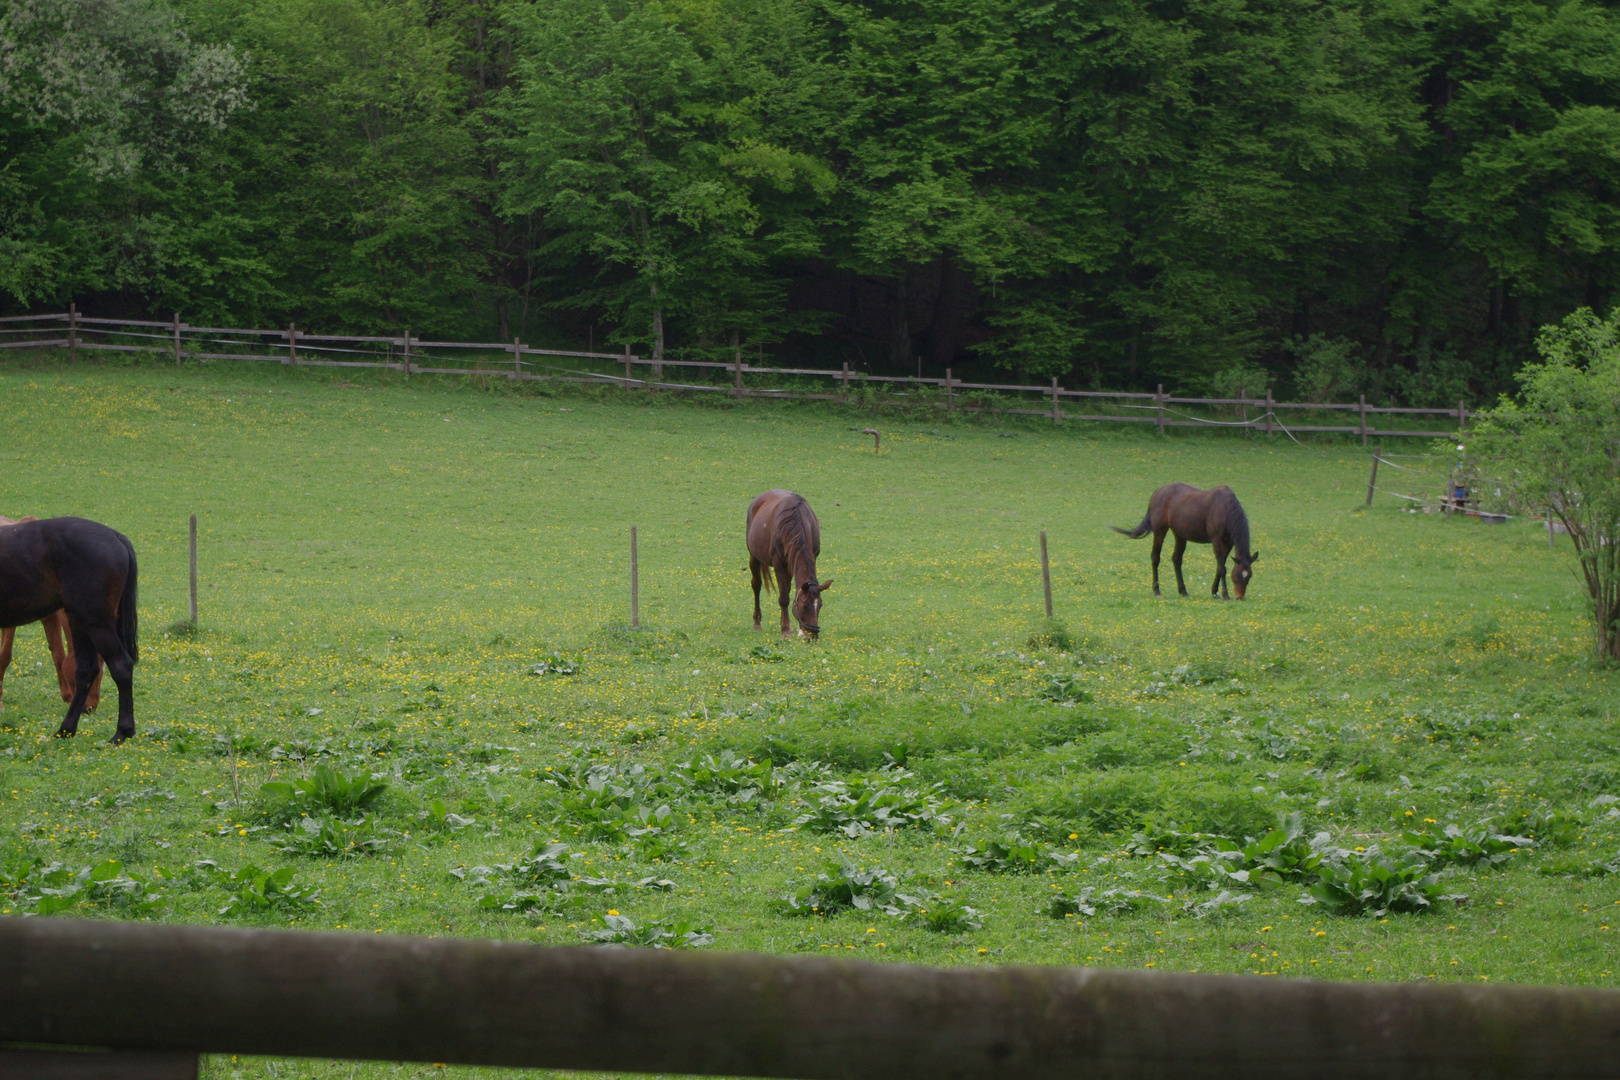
(1324, 196)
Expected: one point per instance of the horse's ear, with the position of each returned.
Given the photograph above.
(825, 585)
(1254, 558)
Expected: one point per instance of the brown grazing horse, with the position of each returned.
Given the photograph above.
(87, 570)
(785, 537)
(1203, 517)
(60, 642)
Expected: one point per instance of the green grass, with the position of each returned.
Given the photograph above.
(383, 567)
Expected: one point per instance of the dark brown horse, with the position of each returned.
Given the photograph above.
(88, 571)
(785, 537)
(1202, 517)
(59, 639)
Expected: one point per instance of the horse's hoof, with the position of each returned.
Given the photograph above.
(120, 736)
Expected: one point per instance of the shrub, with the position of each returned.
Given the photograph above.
(865, 804)
(328, 790)
(1013, 854)
(1091, 901)
(620, 930)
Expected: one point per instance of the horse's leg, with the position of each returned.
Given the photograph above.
(1218, 587)
(7, 635)
(753, 568)
(106, 645)
(1158, 546)
(1175, 559)
(784, 583)
(59, 640)
(85, 652)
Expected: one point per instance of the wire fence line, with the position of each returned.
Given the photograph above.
(411, 355)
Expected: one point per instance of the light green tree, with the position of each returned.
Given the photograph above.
(1556, 451)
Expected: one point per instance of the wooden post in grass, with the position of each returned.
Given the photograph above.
(1054, 399)
(1269, 413)
(1552, 542)
(635, 582)
(73, 333)
(1364, 431)
(846, 382)
(1462, 417)
(950, 397)
(177, 339)
(1158, 399)
(1372, 481)
(627, 365)
(1243, 404)
(292, 344)
(407, 356)
(737, 362)
(194, 571)
(1046, 576)
(517, 359)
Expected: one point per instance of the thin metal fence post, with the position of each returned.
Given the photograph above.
(1046, 576)
(635, 582)
(194, 571)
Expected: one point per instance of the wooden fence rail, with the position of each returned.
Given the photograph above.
(406, 353)
(184, 990)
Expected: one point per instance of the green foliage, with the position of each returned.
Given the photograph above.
(621, 930)
(328, 791)
(845, 886)
(1377, 883)
(1013, 854)
(1091, 901)
(890, 799)
(1556, 452)
(327, 836)
(556, 664)
(1066, 689)
(736, 779)
(54, 888)
(1477, 848)
(255, 891)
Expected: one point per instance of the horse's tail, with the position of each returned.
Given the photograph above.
(127, 622)
(1140, 531)
(767, 575)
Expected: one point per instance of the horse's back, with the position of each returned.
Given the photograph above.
(763, 515)
(42, 560)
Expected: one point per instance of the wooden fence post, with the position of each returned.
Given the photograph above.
(737, 360)
(1269, 414)
(1364, 432)
(177, 339)
(1462, 417)
(194, 571)
(1054, 399)
(292, 344)
(1159, 400)
(1046, 576)
(846, 382)
(627, 365)
(635, 582)
(1372, 481)
(407, 354)
(1552, 543)
(1243, 404)
(73, 333)
(950, 396)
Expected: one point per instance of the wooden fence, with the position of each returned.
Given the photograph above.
(158, 995)
(514, 360)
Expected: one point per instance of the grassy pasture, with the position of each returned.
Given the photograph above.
(384, 566)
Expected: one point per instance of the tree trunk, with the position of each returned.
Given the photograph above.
(900, 326)
(658, 333)
(500, 314)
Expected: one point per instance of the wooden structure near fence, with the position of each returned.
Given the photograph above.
(157, 995)
(412, 355)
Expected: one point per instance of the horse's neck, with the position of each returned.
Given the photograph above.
(802, 564)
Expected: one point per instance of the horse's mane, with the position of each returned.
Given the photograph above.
(793, 527)
(1237, 526)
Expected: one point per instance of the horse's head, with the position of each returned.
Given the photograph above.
(1242, 571)
(807, 606)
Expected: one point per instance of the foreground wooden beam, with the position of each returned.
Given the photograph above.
(222, 990)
